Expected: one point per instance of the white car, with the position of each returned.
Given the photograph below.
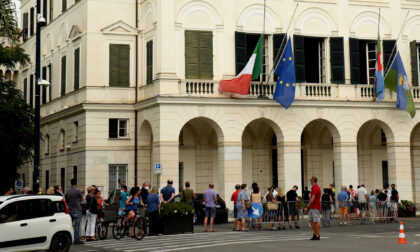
(35, 222)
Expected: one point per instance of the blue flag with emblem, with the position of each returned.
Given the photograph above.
(286, 84)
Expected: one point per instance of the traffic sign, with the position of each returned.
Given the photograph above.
(19, 185)
(158, 168)
(255, 211)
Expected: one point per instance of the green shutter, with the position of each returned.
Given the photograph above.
(44, 9)
(32, 17)
(388, 45)
(278, 47)
(124, 65)
(44, 88)
(31, 91)
(25, 25)
(76, 68)
(414, 63)
(191, 55)
(299, 53)
(50, 80)
(149, 49)
(63, 75)
(337, 60)
(25, 89)
(240, 51)
(354, 61)
(119, 65)
(206, 56)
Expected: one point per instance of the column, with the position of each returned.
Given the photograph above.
(230, 169)
(399, 169)
(289, 167)
(167, 154)
(346, 165)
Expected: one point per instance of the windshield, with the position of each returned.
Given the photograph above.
(1, 202)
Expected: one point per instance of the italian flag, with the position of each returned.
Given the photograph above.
(252, 70)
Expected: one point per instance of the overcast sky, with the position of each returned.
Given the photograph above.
(17, 2)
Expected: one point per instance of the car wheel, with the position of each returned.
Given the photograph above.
(60, 243)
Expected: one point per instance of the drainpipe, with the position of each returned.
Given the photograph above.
(137, 87)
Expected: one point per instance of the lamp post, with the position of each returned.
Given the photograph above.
(40, 21)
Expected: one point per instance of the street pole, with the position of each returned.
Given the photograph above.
(37, 101)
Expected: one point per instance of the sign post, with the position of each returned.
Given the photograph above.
(158, 171)
(18, 185)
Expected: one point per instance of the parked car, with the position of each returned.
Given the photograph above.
(199, 214)
(35, 222)
(111, 212)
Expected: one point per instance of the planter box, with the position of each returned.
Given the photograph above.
(405, 213)
(177, 225)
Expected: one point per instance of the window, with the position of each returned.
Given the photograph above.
(31, 91)
(337, 60)
(119, 65)
(51, 10)
(118, 128)
(415, 62)
(383, 138)
(25, 26)
(62, 140)
(149, 62)
(310, 63)
(371, 52)
(14, 211)
(47, 144)
(44, 88)
(50, 80)
(63, 178)
(75, 172)
(198, 55)
(63, 75)
(32, 20)
(47, 179)
(45, 10)
(76, 68)
(63, 5)
(39, 208)
(25, 89)
(117, 172)
(75, 131)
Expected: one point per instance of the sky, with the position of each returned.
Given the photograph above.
(17, 2)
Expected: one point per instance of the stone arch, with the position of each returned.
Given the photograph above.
(49, 45)
(415, 162)
(149, 15)
(366, 21)
(198, 14)
(63, 34)
(145, 154)
(412, 27)
(252, 17)
(318, 20)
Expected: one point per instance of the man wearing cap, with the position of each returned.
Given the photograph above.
(314, 207)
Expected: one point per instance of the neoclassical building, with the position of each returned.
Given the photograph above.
(135, 82)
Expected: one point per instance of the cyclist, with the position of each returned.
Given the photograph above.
(133, 202)
(123, 199)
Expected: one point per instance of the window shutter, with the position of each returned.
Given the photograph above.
(337, 60)
(299, 53)
(44, 9)
(388, 45)
(76, 69)
(354, 61)
(191, 55)
(50, 80)
(63, 75)
(25, 89)
(32, 17)
(114, 65)
(51, 9)
(63, 5)
(240, 51)
(206, 56)
(124, 65)
(31, 91)
(414, 63)
(149, 62)
(278, 47)
(25, 26)
(44, 88)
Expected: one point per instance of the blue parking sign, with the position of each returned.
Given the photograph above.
(158, 168)
(255, 211)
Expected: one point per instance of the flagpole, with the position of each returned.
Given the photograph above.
(262, 90)
(279, 53)
(389, 63)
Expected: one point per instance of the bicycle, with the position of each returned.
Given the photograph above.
(101, 227)
(136, 225)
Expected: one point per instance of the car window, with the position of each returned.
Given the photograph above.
(14, 211)
(59, 207)
(1, 202)
(40, 208)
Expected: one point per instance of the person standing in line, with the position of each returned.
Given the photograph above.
(241, 206)
(305, 195)
(40, 191)
(26, 190)
(187, 194)
(362, 198)
(282, 211)
(372, 206)
(395, 197)
(314, 207)
(73, 198)
(153, 211)
(91, 213)
(256, 197)
(271, 201)
(209, 200)
(144, 193)
(292, 199)
(9, 192)
(352, 194)
(332, 193)
(83, 205)
(234, 198)
(274, 194)
(167, 194)
(343, 200)
(381, 199)
(326, 208)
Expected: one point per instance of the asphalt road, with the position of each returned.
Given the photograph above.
(354, 238)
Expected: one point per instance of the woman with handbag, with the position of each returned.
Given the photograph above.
(272, 206)
(91, 214)
(242, 204)
(256, 197)
(282, 211)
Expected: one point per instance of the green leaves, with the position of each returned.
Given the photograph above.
(176, 209)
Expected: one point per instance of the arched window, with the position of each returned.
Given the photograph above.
(62, 143)
(47, 145)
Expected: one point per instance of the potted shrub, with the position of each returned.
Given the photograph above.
(177, 218)
(407, 209)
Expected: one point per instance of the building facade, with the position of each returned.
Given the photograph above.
(134, 83)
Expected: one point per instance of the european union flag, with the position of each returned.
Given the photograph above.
(286, 84)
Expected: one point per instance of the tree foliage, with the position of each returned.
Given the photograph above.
(16, 117)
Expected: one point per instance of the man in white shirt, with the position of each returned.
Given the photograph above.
(363, 199)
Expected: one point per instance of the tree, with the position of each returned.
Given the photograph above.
(16, 117)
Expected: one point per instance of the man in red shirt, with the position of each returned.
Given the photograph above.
(314, 206)
(234, 198)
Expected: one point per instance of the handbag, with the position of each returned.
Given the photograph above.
(248, 204)
(271, 206)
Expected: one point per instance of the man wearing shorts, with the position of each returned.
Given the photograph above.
(209, 199)
(314, 207)
(234, 198)
(362, 198)
(343, 199)
(292, 198)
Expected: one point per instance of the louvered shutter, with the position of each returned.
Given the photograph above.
(414, 63)
(76, 69)
(354, 61)
(278, 47)
(240, 51)
(206, 56)
(50, 80)
(388, 45)
(32, 17)
(191, 55)
(337, 60)
(149, 62)
(25, 89)
(299, 54)
(44, 9)
(124, 65)
(63, 75)
(114, 65)
(31, 91)
(25, 26)
(44, 88)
